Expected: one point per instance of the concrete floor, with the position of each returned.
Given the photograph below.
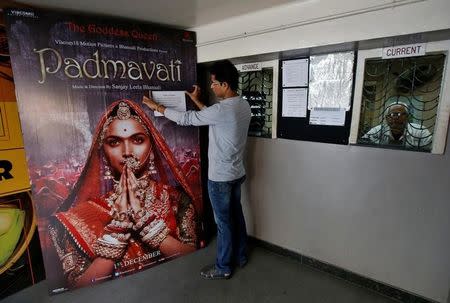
(267, 278)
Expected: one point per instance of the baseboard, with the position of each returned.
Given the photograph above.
(368, 283)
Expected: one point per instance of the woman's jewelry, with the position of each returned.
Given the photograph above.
(107, 174)
(154, 233)
(143, 221)
(151, 164)
(114, 229)
(136, 215)
(152, 229)
(121, 224)
(149, 197)
(133, 163)
(109, 247)
(156, 241)
(123, 111)
(121, 236)
(140, 194)
(121, 216)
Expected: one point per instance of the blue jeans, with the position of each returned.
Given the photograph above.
(231, 230)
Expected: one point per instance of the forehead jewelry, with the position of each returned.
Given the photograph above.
(123, 113)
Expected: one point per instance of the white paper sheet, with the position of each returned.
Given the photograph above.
(327, 116)
(171, 99)
(331, 80)
(294, 102)
(295, 73)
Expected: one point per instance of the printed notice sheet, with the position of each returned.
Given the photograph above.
(171, 99)
(294, 102)
(327, 116)
(295, 73)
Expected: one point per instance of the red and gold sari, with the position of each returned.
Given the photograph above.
(81, 219)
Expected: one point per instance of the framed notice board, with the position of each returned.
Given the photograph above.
(314, 87)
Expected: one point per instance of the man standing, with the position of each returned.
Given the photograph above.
(228, 122)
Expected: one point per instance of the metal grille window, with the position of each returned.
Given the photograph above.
(400, 101)
(257, 88)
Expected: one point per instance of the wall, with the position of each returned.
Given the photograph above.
(406, 19)
(380, 213)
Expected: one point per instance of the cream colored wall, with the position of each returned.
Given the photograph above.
(380, 213)
(419, 16)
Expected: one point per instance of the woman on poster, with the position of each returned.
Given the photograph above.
(131, 207)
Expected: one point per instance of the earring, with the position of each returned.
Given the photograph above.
(107, 174)
(151, 166)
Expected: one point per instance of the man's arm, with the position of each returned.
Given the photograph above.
(207, 116)
(373, 135)
(420, 133)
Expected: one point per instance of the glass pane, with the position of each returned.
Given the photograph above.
(399, 102)
(257, 88)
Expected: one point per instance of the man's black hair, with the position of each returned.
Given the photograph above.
(225, 71)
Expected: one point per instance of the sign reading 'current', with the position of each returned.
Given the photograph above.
(401, 51)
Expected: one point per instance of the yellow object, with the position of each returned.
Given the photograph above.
(13, 168)
(11, 226)
(13, 172)
(10, 130)
(29, 227)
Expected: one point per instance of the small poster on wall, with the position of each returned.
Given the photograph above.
(117, 190)
(295, 72)
(327, 116)
(294, 102)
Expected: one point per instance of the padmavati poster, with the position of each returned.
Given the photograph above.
(117, 190)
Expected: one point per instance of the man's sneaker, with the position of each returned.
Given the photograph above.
(210, 272)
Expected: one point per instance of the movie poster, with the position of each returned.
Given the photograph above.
(117, 189)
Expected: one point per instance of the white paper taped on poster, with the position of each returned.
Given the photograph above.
(171, 99)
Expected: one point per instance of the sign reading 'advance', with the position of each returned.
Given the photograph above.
(249, 67)
(401, 51)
